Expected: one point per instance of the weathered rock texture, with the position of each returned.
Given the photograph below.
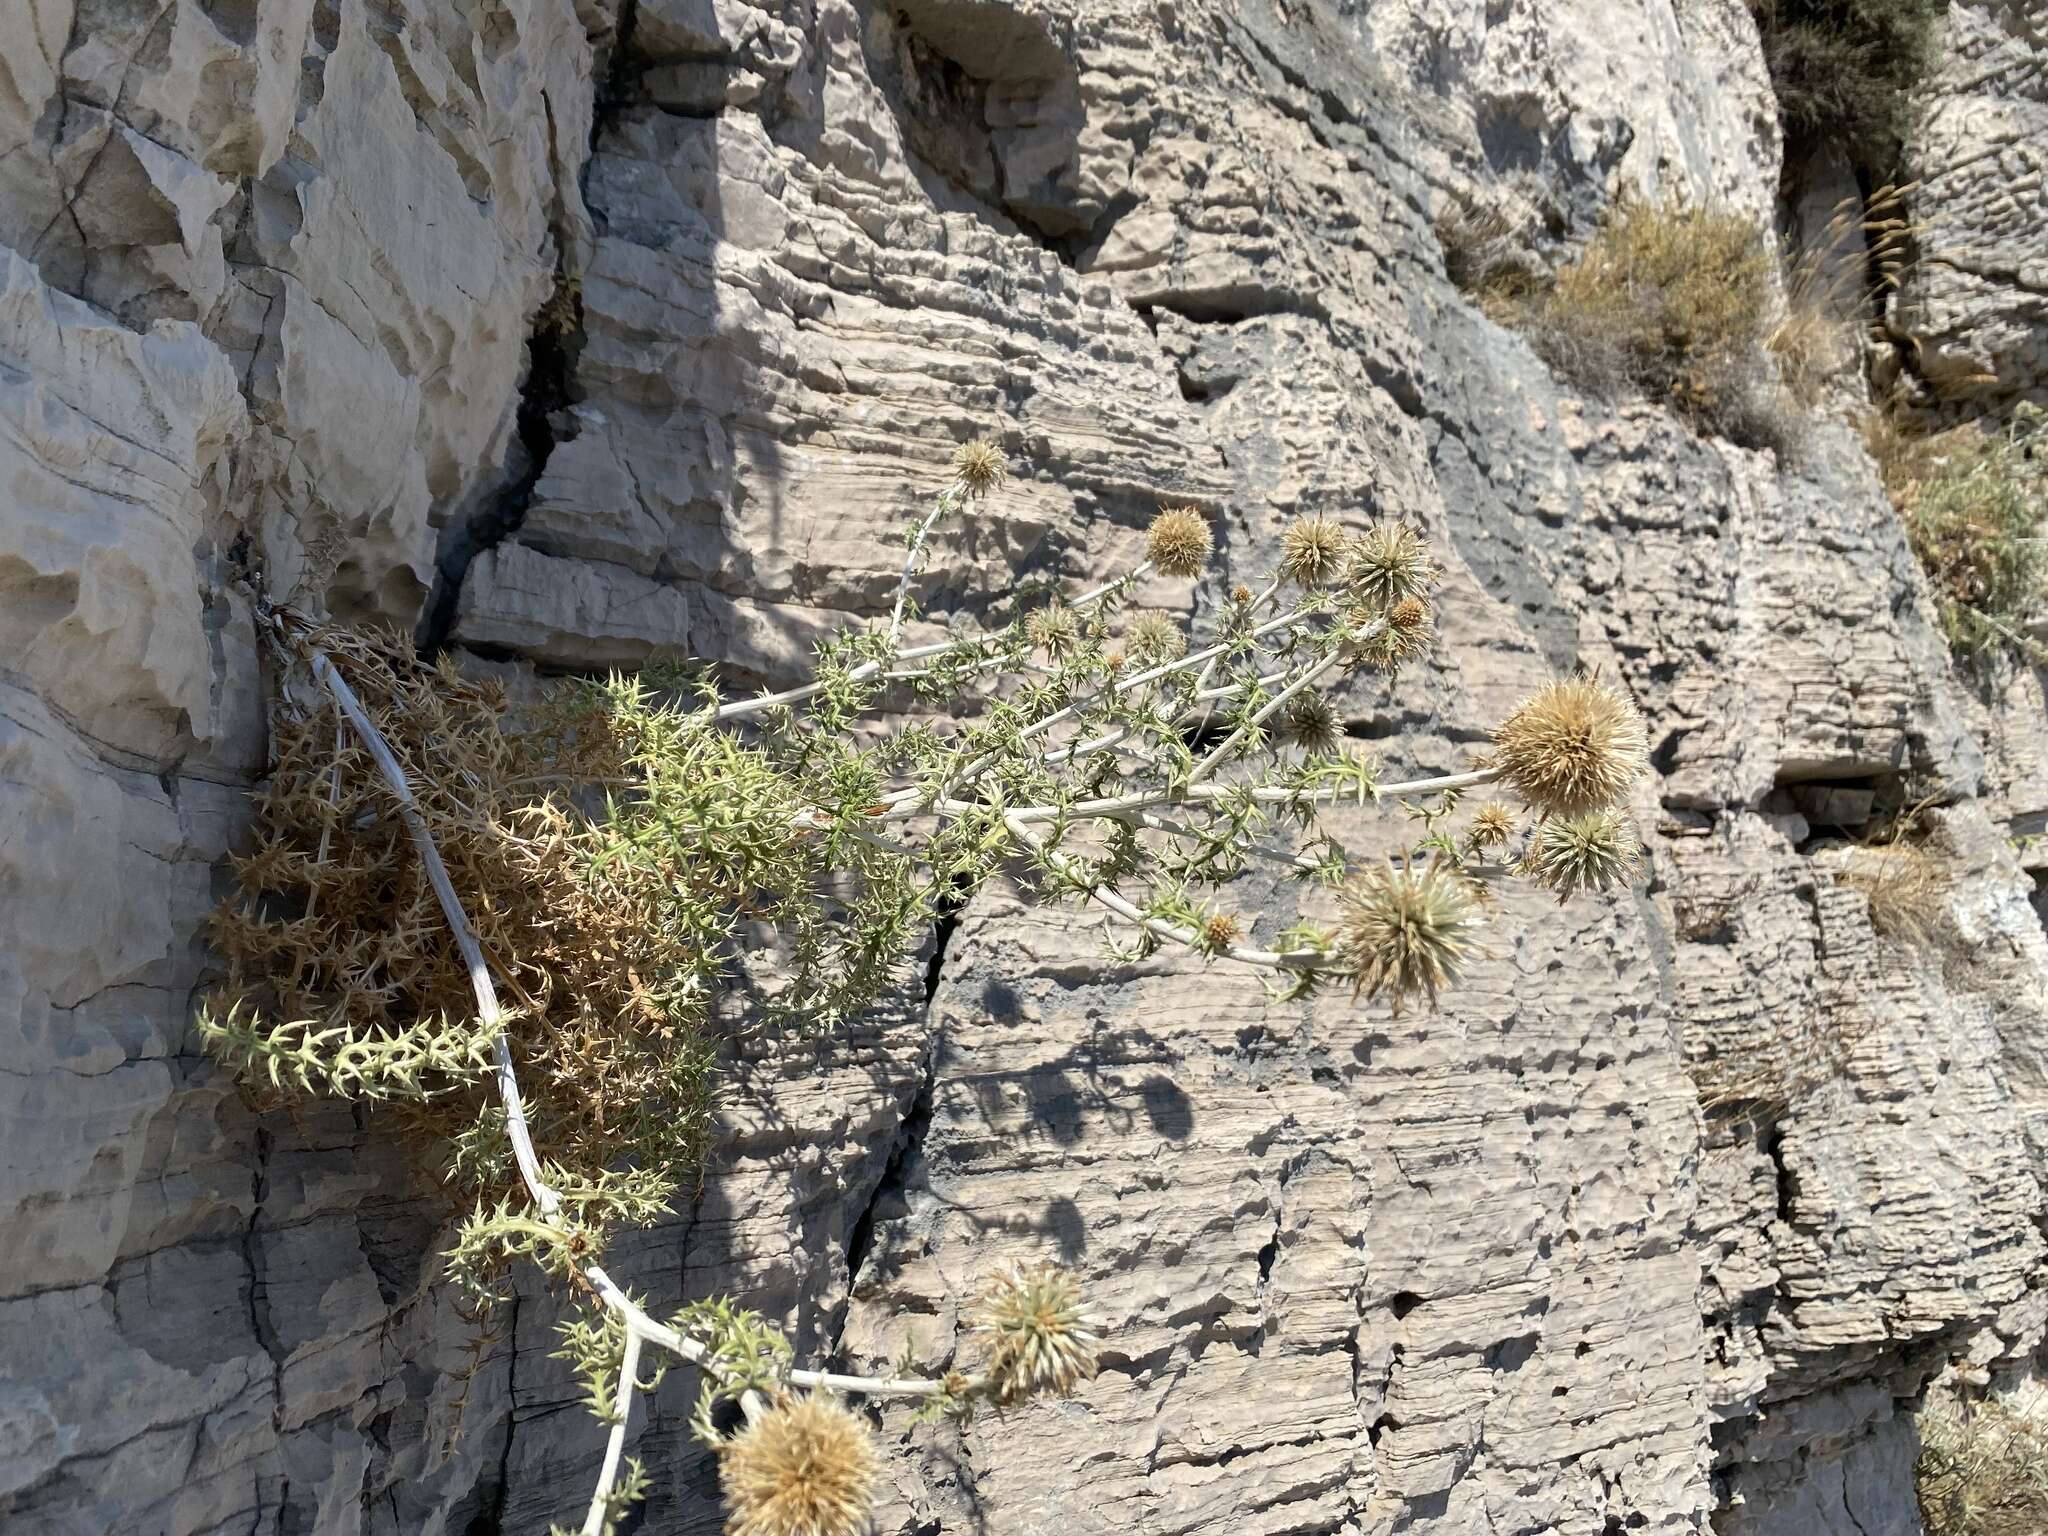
(583, 337)
(1974, 311)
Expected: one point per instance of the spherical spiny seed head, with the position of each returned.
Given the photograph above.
(1572, 747)
(1039, 1339)
(1570, 854)
(1053, 629)
(1178, 541)
(1406, 931)
(1219, 933)
(1311, 724)
(1388, 637)
(807, 1467)
(979, 467)
(1312, 552)
(1153, 637)
(1390, 561)
(1240, 594)
(1492, 825)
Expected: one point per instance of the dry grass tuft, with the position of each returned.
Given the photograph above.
(1974, 504)
(1673, 302)
(1832, 287)
(1983, 1468)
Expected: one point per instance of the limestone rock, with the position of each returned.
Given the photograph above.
(593, 335)
(1974, 308)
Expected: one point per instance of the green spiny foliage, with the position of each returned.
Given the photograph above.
(628, 845)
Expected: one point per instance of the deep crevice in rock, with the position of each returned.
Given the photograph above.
(553, 346)
(908, 1148)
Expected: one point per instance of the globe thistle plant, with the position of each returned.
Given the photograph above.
(1039, 1340)
(806, 1467)
(1491, 827)
(1312, 724)
(980, 468)
(1406, 932)
(609, 857)
(1593, 852)
(1572, 747)
(1391, 561)
(1178, 542)
(1053, 629)
(1153, 636)
(1312, 552)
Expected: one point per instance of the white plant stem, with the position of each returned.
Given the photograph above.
(639, 1325)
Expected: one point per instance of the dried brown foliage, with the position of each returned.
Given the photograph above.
(337, 927)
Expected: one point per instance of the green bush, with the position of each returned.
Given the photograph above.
(1844, 70)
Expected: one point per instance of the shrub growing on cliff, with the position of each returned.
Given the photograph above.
(1674, 302)
(610, 858)
(1983, 1468)
(1844, 70)
(1974, 504)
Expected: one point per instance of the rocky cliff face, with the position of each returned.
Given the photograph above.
(577, 335)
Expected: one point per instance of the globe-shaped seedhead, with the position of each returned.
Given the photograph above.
(1492, 825)
(1594, 852)
(1153, 637)
(1406, 932)
(1038, 1337)
(1054, 629)
(1179, 541)
(807, 1467)
(1385, 638)
(980, 468)
(1390, 561)
(1312, 552)
(1311, 723)
(1572, 747)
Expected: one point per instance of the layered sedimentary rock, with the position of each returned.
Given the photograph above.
(1973, 311)
(584, 338)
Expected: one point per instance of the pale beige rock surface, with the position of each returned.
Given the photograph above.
(585, 338)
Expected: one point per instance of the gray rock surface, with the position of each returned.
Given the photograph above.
(1974, 310)
(582, 337)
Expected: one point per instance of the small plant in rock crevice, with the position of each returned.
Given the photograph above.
(516, 929)
(1844, 71)
(1674, 302)
(1974, 503)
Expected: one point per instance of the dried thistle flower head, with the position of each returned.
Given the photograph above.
(1053, 629)
(1573, 746)
(1311, 723)
(1492, 825)
(1219, 933)
(1178, 542)
(1408, 615)
(1570, 854)
(1386, 638)
(979, 467)
(807, 1467)
(1405, 931)
(1312, 552)
(1039, 1339)
(1391, 561)
(1240, 594)
(1154, 637)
